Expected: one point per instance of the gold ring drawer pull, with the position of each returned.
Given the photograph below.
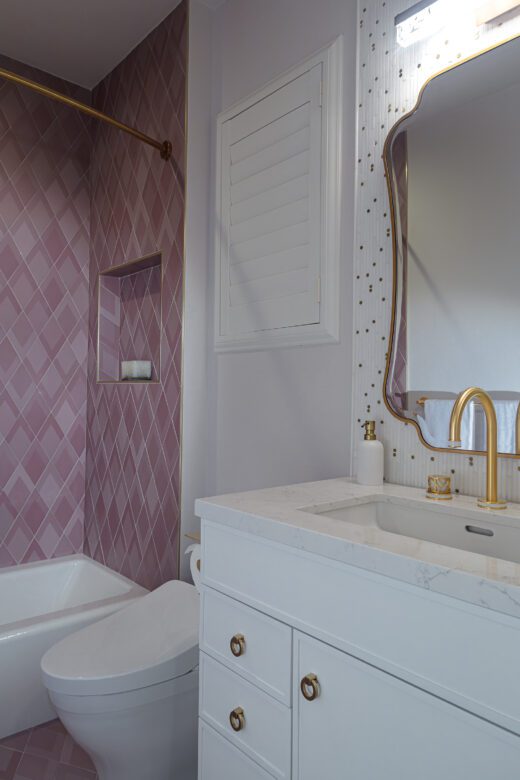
(238, 645)
(310, 687)
(237, 719)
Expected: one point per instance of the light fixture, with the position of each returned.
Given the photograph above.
(486, 12)
(420, 21)
(425, 18)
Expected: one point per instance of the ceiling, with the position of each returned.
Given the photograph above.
(78, 40)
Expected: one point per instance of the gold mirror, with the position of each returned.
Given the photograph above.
(453, 173)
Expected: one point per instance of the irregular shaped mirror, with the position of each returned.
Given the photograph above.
(453, 168)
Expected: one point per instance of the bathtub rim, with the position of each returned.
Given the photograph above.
(47, 619)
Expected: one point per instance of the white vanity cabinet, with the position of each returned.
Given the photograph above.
(219, 759)
(311, 668)
(368, 725)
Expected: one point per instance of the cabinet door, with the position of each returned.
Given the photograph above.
(365, 724)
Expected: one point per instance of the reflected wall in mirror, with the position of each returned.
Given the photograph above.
(453, 168)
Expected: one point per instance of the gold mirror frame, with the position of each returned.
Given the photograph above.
(387, 160)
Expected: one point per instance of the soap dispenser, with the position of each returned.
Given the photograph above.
(370, 457)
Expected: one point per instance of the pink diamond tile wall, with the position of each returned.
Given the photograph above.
(129, 322)
(140, 318)
(91, 467)
(44, 258)
(109, 322)
(133, 430)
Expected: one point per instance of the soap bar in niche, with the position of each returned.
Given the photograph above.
(136, 369)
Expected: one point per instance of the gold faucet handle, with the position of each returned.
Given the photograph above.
(439, 487)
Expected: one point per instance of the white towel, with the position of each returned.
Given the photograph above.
(435, 426)
(136, 369)
(506, 424)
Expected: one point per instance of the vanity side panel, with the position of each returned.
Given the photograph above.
(462, 653)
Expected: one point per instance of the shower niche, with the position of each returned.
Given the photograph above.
(129, 320)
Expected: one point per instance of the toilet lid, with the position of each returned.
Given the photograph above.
(153, 640)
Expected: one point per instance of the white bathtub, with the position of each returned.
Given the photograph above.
(40, 603)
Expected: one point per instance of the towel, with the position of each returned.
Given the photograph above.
(506, 424)
(136, 369)
(435, 426)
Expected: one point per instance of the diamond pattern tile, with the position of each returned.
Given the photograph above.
(46, 752)
(140, 318)
(44, 260)
(68, 191)
(132, 488)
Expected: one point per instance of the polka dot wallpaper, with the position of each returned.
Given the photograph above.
(389, 81)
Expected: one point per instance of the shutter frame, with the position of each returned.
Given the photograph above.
(315, 311)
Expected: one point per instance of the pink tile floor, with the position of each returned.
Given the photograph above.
(46, 752)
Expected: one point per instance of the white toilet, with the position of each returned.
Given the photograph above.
(126, 688)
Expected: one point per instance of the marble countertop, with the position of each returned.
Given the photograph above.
(276, 514)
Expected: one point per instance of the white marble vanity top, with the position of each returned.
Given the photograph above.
(276, 514)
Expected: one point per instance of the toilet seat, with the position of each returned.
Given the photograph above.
(99, 704)
(153, 640)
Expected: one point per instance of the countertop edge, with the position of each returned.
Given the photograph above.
(289, 526)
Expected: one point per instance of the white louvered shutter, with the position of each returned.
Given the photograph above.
(271, 204)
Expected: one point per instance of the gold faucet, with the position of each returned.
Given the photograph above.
(490, 501)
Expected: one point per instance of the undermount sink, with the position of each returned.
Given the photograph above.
(477, 532)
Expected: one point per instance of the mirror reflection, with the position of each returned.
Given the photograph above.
(454, 175)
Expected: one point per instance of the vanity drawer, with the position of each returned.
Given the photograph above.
(263, 646)
(460, 652)
(219, 759)
(264, 730)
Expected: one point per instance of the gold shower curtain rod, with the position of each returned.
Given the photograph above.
(164, 147)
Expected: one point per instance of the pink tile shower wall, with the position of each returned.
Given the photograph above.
(44, 257)
(140, 318)
(109, 323)
(133, 430)
(129, 322)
